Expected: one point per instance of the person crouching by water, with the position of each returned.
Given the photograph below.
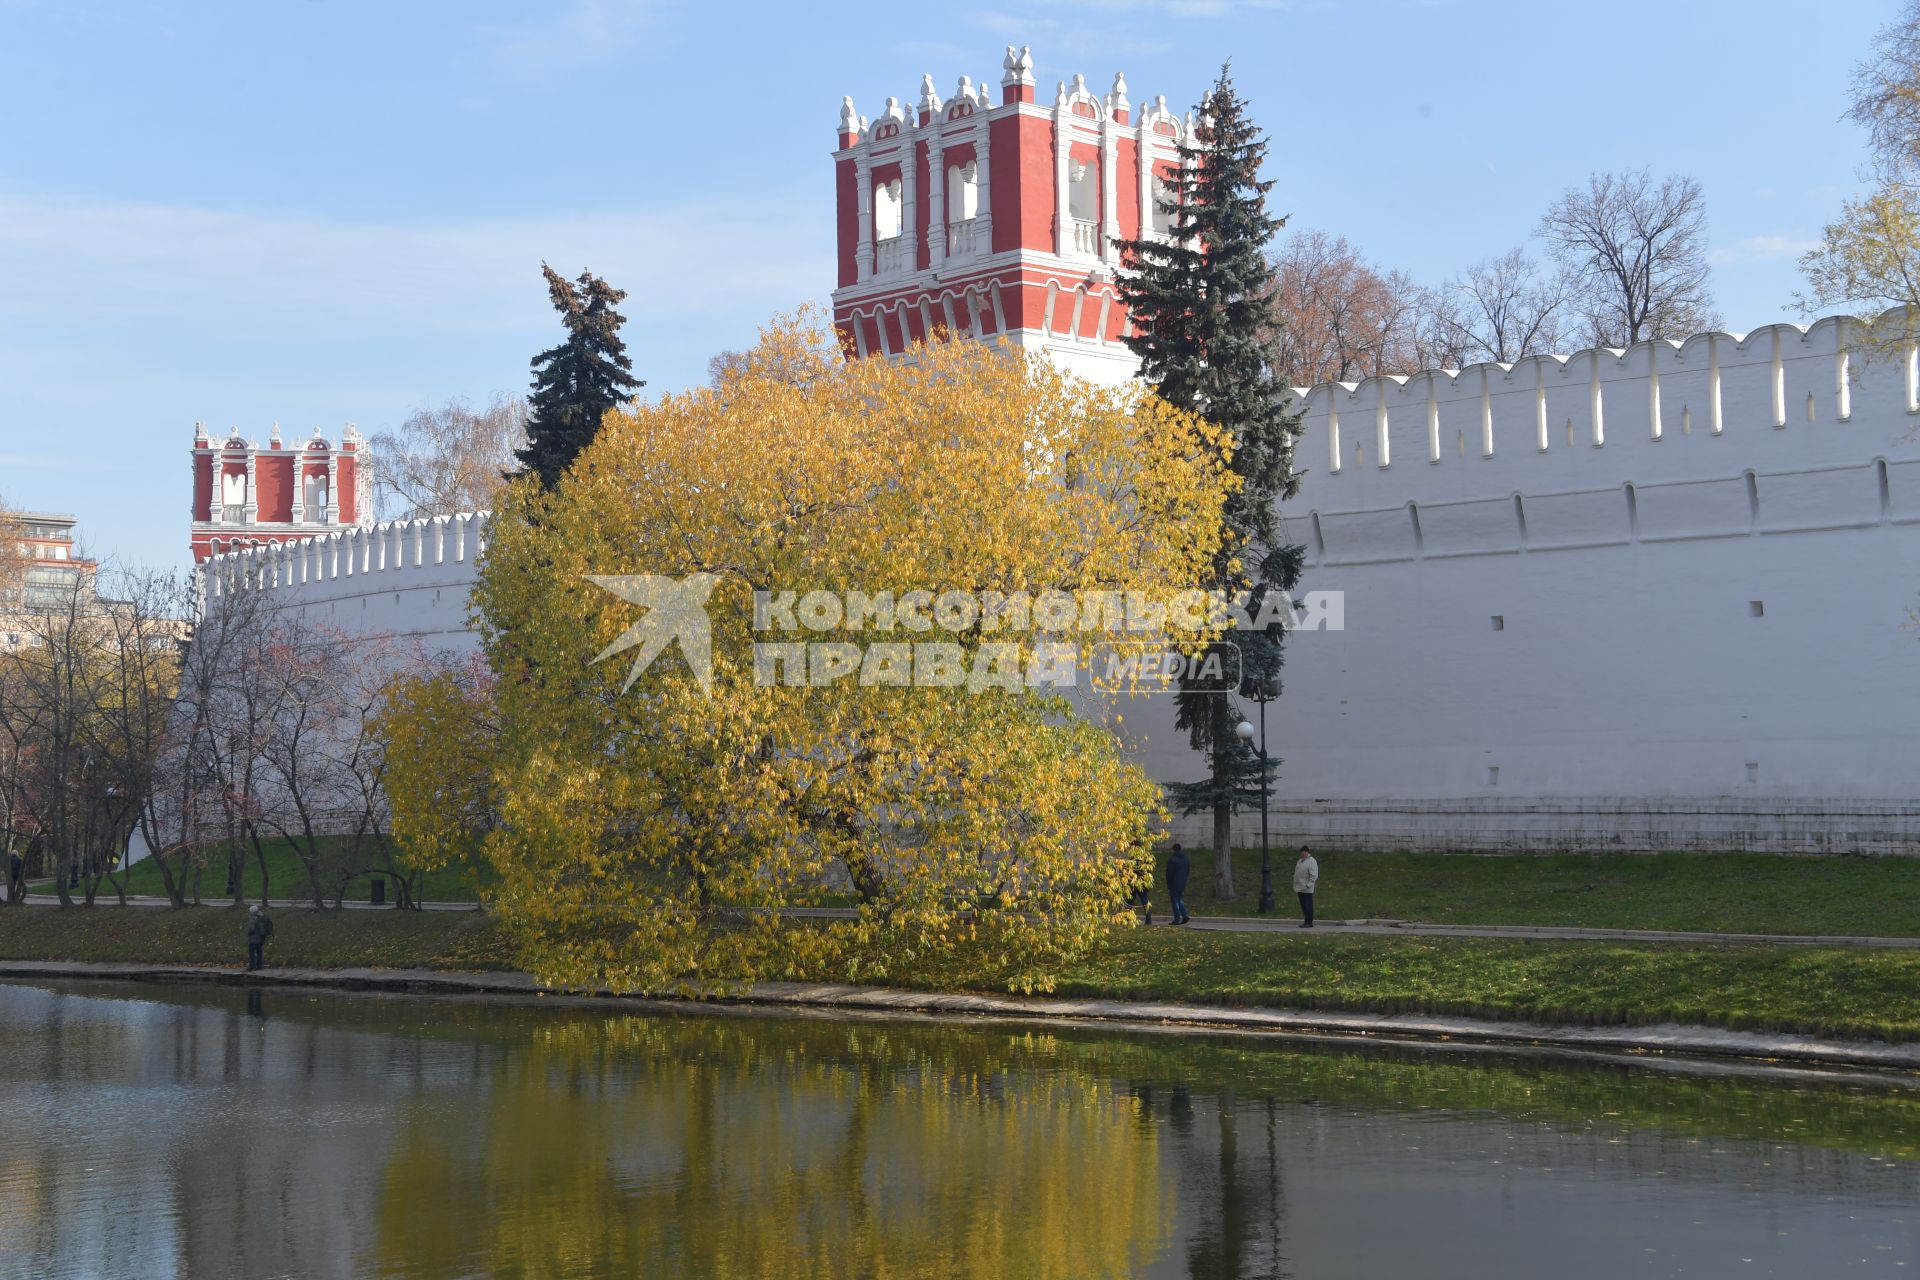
(259, 929)
(1306, 874)
(1178, 868)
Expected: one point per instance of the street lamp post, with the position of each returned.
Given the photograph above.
(1262, 693)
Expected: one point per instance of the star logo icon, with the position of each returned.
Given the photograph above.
(675, 610)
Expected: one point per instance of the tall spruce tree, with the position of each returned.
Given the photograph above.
(575, 383)
(1198, 299)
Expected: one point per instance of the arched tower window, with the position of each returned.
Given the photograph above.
(1162, 198)
(1083, 191)
(233, 492)
(963, 191)
(886, 210)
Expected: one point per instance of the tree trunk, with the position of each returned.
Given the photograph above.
(1223, 850)
(173, 887)
(1223, 741)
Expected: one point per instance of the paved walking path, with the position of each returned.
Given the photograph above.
(1269, 924)
(1416, 928)
(1663, 1039)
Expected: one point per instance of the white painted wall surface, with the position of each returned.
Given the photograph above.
(1631, 698)
(409, 579)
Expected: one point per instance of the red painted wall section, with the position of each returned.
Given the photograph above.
(203, 486)
(1021, 162)
(274, 502)
(348, 500)
(1126, 184)
(846, 204)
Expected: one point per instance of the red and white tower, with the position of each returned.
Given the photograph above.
(999, 220)
(245, 496)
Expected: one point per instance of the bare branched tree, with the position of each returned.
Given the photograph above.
(84, 702)
(1500, 309)
(1869, 257)
(451, 459)
(1635, 253)
(192, 814)
(13, 557)
(1337, 317)
(1886, 98)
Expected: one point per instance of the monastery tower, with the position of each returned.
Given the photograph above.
(998, 220)
(247, 496)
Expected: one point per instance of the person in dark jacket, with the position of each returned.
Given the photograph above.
(1178, 868)
(259, 929)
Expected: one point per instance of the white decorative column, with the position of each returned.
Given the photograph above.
(251, 513)
(1109, 160)
(931, 107)
(983, 215)
(333, 487)
(909, 199)
(1062, 188)
(863, 181)
(936, 201)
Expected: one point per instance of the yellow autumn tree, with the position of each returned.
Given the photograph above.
(439, 734)
(820, 684)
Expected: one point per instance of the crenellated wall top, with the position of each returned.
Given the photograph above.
(1765, 398)
(422, 548)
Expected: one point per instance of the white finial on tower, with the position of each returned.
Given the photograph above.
(929, 100)
(1160, 104)
(1117, 100)
(849, 118)
(1060, 95)
(985, 101)
(965, 92)
(1019, 66)
(1079, 84)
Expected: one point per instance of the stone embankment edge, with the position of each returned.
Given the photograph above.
(1664, 1038)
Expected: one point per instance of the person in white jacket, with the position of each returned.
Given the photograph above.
(1306, 874)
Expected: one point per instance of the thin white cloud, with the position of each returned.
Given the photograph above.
(566, 36)
(1761, 248)
(274, 274)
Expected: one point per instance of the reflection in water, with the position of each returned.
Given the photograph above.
(153, 1132)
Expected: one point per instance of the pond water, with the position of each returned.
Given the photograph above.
(155, 1132)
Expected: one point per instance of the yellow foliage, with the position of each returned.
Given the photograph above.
(1871, 254)
(657, 835)
(440, 736)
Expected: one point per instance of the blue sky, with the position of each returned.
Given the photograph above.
(322, 211)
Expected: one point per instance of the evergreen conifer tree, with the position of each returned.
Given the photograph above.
(575, 383)
(1198, 299)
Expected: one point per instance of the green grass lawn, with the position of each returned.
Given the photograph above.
(1829, 991)
(216, 935)
(287, 878)
(1725, 892)
(1815, 990)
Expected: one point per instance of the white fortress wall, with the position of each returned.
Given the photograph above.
(1658, 598)
(405, 579)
